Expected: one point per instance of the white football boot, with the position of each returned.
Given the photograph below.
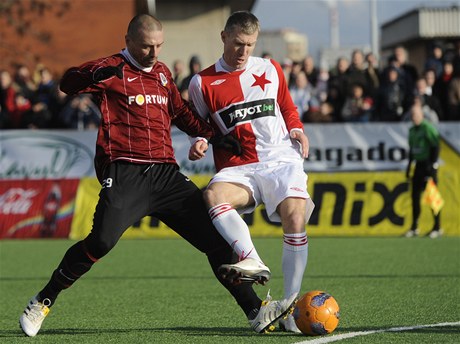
(411, 233)
(435, 233)
(32, 318)
(288, 324)
(271, 311)
(247, 270)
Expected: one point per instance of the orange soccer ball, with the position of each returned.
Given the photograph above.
(316, 313)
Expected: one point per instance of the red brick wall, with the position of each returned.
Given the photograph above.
(89, 29)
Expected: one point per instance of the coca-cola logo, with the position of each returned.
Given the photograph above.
(45, 155)
(17, 201)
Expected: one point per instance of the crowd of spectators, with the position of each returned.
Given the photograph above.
(33, 100)
(357, 89)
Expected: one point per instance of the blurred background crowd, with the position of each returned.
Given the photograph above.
(359, 88)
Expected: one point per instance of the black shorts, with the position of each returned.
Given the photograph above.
(130, 192)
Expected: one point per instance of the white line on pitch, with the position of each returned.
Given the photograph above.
(338, 337)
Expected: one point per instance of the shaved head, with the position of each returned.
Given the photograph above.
(143, 22)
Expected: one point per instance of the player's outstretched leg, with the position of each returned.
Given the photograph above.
(76, 262)
(270, 312)
(247, 270)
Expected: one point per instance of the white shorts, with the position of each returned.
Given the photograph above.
(270, 184)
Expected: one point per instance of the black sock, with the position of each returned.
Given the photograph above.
(76, 263)
(252, 314)
(243, 293)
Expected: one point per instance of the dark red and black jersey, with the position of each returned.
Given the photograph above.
(137, 111)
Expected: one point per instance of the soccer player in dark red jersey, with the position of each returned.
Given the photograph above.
(136, 167)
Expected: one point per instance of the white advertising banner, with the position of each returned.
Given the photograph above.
(46, 154)
(341, 147)
(60, 154)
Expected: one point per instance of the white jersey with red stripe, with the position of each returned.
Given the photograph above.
(253, 105)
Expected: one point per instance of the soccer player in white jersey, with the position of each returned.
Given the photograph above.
(247, 98)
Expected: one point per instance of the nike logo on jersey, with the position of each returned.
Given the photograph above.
(217, 82)
(132, 79)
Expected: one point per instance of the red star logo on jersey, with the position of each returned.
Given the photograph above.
(260, 81)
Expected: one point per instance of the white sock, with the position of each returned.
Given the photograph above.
(295, 255)
(234, 230)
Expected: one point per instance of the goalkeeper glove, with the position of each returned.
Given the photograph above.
(227, 142)
(107, 72)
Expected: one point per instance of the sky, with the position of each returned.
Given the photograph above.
(311, 17)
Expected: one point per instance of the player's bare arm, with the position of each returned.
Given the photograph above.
(303, 140)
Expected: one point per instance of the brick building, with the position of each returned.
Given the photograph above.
(64, 33)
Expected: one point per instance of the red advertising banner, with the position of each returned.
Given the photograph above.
(37, 208)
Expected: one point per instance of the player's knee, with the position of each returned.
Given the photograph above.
(209, 197)
(295, 223)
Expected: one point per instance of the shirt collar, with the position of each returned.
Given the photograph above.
(131, 59)
(224, 67)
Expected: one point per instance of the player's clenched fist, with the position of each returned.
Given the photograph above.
(198, 150)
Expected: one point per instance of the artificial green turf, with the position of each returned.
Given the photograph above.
(163, 291)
